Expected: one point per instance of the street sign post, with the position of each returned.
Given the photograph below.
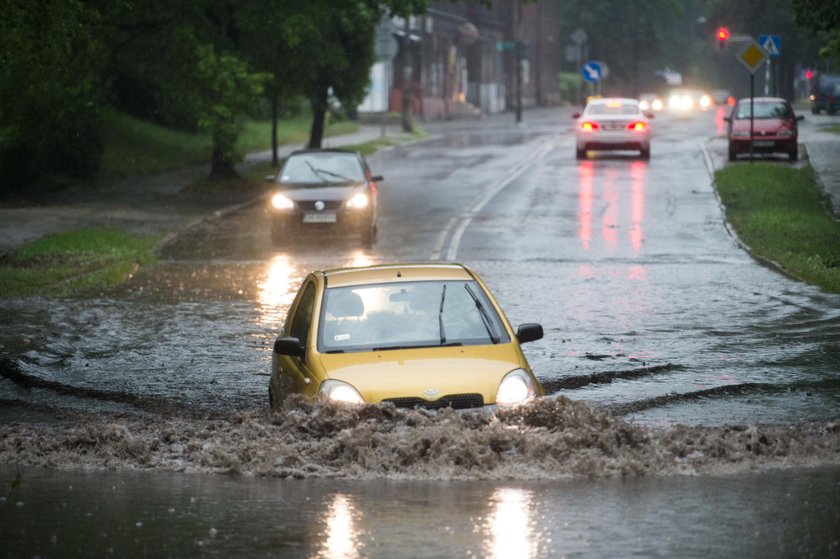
(752, 56)
(773, 45)
(592, 71)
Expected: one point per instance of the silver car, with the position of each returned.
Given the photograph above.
(613, 124)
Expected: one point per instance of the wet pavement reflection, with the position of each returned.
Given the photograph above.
(160, 514)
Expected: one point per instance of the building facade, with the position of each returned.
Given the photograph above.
(463, 59)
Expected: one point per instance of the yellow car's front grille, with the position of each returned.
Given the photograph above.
(454, 401)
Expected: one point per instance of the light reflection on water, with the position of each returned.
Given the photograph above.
(277, 291)
(342, 537)
(509, 531)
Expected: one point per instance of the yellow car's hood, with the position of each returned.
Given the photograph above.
(425, 373)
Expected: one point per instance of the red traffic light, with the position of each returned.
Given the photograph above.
(809, 73)
(722, 33)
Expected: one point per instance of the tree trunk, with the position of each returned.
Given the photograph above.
(319, 114)
(221, 167)
(275, 162)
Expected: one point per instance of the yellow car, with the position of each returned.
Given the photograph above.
(416, 335)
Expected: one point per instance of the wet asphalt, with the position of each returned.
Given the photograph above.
(654, 314)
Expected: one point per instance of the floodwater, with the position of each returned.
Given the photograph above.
(694, 404)
(171, 515)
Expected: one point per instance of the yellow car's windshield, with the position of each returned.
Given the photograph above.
(406, 315)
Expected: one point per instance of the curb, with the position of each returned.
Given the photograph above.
(771, 264)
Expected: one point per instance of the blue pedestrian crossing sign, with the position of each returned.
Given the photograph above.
(592, 71)
(772, 44)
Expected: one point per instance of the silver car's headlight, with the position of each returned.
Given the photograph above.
(516, 388)
(359, 201)
(338, 391)
(282, 202)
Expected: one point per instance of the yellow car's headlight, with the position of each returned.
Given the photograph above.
(282, 202)
(516, 388)
(338, 391)
(359, 201)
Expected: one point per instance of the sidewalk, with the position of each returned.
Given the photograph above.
(149, 205)
(824, 153)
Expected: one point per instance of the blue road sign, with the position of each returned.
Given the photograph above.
(592, 71)
(772, 44)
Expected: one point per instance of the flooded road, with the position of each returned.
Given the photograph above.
(687, 380)
(173, 515)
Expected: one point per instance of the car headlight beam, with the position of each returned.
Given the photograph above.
(340, 392)
(516, 388)
(359, 201)
(282, 202)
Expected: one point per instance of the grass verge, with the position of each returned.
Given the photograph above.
(134, 147)
(783, 216)
(71, 263)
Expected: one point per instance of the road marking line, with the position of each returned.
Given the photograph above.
(465, 218)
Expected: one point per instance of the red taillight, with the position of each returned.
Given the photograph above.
(637, 126)
(589, 126)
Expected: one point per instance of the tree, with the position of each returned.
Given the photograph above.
(227, 90)
(52, 91)
(342, 62)
(276, 38)
(822, 16)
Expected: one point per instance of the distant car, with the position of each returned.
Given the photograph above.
(825, 93)
(613, 124)
(415, 335)
(650, 102)
(324, 190)
(775, 128)
(686, 100)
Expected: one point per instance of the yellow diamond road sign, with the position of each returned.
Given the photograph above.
(752, 56)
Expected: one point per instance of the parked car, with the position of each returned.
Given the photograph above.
(613, 124)
(415, 335)
(825, 93)
(325, 190)
(775, 128)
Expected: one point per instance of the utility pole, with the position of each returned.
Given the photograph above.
(518, 36)
(407, 76)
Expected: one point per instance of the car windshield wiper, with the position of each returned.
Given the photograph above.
(485, 318)
(321, 172)
(334, 351)
(418, 346)
(440, 316)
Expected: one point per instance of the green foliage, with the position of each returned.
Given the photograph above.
(782, 215)
(822, 17)
(52, 88)
(631, 37)
(78, 261)
(568, 85)
(227, 90)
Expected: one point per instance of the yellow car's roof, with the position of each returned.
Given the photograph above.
(396, 273)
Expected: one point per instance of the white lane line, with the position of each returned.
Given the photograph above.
(461, 222)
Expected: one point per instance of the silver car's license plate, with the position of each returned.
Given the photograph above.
(328, 217)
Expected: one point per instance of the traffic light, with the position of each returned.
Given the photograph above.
(722, 38)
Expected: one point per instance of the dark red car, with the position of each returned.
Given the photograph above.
(774, 126)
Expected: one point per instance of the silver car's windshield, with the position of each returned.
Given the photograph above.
(406, 315)
(324, 167)
(616, 109)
